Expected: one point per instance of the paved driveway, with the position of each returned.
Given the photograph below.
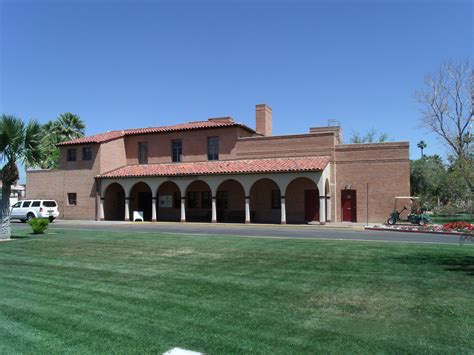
(255, 230)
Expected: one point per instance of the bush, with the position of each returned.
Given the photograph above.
(39, 225)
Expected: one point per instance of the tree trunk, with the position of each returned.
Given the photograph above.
(5, 228)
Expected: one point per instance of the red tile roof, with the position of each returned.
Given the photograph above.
(108, 136)
(253, 166)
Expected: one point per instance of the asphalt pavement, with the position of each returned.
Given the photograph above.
(353, 233)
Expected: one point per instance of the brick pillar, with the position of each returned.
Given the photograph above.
(214, 210)
(283, 210)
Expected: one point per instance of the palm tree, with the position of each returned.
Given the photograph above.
(19, 142)
(422, 145)
(66, 127)
(50, 153)
(70, 126)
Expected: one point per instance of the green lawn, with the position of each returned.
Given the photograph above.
(102, 292)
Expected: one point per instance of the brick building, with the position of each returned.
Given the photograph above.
(223, 171)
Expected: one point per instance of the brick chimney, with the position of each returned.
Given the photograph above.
(263, 117)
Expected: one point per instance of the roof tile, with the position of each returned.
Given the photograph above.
(221, 167)
(107, 136)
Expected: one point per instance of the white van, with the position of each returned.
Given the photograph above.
(29, 209)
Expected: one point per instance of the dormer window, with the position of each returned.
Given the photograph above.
(143, 153)
(71, 154)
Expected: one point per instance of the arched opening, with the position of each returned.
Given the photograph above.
(230, 201)
(302, 201)
(198, 202)
(169, 202)
(141, 200)
(114, 203)
(327, 195)
(265, 202)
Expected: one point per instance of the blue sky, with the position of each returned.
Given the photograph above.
(122, 64)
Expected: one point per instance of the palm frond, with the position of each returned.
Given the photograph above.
(32, 143)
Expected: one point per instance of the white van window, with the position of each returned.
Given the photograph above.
(49, 203)
(16, 205)
(26, 204)
(36, 204)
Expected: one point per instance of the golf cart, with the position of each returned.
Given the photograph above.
(416, 216)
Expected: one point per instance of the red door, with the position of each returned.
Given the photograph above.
(349, 206)
(311, 205)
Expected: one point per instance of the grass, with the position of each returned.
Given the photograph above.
(103, 292)
(454, 218)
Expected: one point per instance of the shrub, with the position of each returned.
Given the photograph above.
(39, 225)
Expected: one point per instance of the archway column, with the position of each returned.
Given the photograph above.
(101, 209)
(283, 209)
(323, 194)
(183, 209)
(247, 209)
(153, 208)
(214, 210)
(322, 209)
(328, 208)
(127, 208)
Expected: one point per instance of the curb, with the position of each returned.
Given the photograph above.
(415, 231)
(258, 225)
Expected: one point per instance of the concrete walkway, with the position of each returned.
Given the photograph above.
(353, 232)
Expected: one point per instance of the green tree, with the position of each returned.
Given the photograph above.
(70, 126)
(426, 175)
(49, 151)
(66, 127)
(422, 145)
(454, 190)
(19, 142)
(446, 107)
(440, 186)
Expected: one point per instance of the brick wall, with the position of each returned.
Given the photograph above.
(194, 145)
(285, 146)
(56, 184)
(112, 155)
(385, 166)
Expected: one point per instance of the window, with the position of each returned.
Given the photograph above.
(17, 205)
(72, 199)
(49, 203)
(193, 199)
(71, 155)
(87, 153)
(222, 199)
(176, 150)
(26, 204)
(36, 204)
(213, 148)
(143, 153)
(276, 199)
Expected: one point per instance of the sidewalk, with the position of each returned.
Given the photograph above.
(314, 225)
